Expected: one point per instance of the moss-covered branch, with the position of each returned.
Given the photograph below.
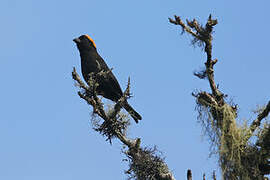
(144, 163)
(238, 157)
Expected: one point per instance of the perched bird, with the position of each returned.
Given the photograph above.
(92, 62)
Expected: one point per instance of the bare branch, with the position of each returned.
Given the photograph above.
(77, 78)
(257, 122)
(178, 21)
(203, 35)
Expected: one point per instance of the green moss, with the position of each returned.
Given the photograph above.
(238, 157)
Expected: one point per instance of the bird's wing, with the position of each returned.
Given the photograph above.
(110, 78)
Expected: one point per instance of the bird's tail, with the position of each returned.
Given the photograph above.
(136, 116)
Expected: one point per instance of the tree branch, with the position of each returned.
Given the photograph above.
(112, 127)
(203, 35)
(257, 122)
(178, 21)
(238, 158)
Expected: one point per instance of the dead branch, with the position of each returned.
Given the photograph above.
(203, 35)
(257, 122)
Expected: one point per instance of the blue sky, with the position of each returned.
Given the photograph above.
(44, 126)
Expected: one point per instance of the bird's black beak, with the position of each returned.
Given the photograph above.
(77, 40)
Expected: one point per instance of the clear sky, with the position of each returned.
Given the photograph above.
(44, 125)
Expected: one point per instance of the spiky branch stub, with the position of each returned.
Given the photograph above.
(144, 163)
(238, 159)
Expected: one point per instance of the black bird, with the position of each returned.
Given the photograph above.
(92, 62)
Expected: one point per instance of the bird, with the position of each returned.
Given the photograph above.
(92, 62)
